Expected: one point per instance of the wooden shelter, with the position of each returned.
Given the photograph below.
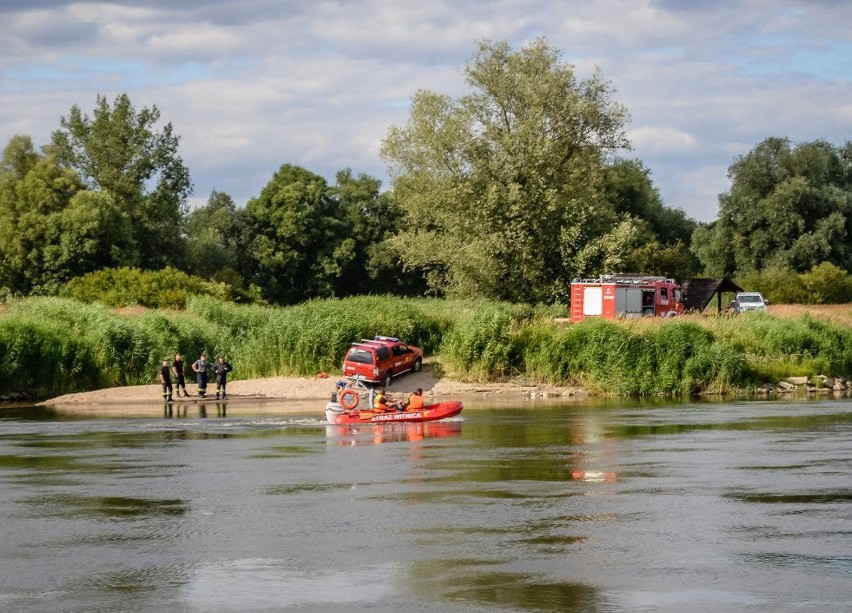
(697, 293)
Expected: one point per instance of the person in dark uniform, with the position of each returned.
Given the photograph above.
(221, 368)
(166, 380)
(180, 380)
(200, 367)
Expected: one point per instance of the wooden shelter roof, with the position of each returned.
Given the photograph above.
(697, 293)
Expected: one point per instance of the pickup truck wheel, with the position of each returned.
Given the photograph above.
(418, 364)
(388, 378)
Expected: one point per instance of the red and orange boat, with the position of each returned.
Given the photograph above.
(344, 408)
(335, 414)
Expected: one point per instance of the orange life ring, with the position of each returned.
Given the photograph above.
(349, 399)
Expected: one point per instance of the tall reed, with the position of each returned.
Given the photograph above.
(54, 345)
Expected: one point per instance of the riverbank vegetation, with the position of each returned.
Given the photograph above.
(498, 198)
(55, 345)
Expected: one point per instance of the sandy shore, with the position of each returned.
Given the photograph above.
(296, 393)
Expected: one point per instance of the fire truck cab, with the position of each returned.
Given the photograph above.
(617, 296)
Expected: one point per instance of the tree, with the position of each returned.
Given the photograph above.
(503, 184)
(298, 244)
(788, 207)
(51, 227)
(120, 151)
(628, 188)
(34, 190)
(371, 217)
(211, 236)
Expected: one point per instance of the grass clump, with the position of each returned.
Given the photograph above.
(484, 343)
(779, 347)
(631, 359)
(41, 359)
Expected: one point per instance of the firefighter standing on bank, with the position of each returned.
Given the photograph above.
(221, 368)
(166, 381)
(200, 367)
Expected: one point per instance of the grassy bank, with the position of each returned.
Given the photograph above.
(51, 346)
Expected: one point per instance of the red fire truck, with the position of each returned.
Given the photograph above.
(616, 296)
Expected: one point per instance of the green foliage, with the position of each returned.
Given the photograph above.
(167, 288)
(371, 216)
(504, 183)
(778, 285)
(296, 237)
(823, 284)
(677, 358)
(313, 336)
(53, 345)
(482, 344)
(33, 192)
(120, 151)
(40, 358)
(827, 284)
(628, 189)
(59, 345)
(212, 235)
(788, 207)
(805, 346)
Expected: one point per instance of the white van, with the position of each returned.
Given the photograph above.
(749, 301)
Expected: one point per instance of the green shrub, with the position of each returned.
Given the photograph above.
(481, 344)
(823, 284)
(117, 287)
(827, 284)
(778, 285)
(41, 359)
(806, 346)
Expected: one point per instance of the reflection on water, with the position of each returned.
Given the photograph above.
(393, 432)
(183, 409)
(102, 506)
(601, 507)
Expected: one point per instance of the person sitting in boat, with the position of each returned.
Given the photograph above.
(380, 401)
(415, 401)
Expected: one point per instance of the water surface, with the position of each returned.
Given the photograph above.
(740, 506)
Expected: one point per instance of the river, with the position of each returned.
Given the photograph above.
(605, 506)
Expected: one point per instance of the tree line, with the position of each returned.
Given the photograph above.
(507, 192)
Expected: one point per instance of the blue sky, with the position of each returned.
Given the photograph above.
(252, 84)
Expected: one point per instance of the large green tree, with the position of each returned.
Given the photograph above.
(371, 216)
(51, 227)
(664, 232)
(296, 240)
(212, 234)
(789, 207)
(122, 152)
(503, 185)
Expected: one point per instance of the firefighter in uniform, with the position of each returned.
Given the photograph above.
(221, 368)
(200, 367)
(166, 380)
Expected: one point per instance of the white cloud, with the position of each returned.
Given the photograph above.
(249, 86)
(653, 139)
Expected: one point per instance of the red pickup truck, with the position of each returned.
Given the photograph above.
(380, 359)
